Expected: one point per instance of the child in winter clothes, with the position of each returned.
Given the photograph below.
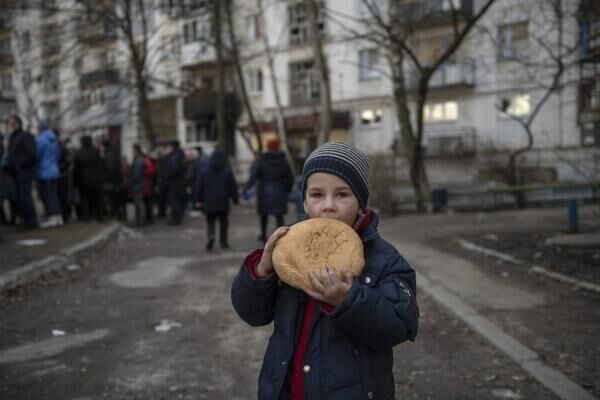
(334, 341)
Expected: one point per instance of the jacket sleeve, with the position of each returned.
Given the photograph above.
(254, 299)
(233, 189)
(254, 175)
(386, 314)
(39, 148)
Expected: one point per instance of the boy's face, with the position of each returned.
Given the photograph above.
(328, 196)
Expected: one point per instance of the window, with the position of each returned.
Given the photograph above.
(517, 105)
(253, 27)
(6, 83)
(5, 45)
(25, 41)
(368, 61)
(299, 30)
(27, 76)
(51, 78)
(449, 5)
(207, 83)
(590, 36)
(190, 30)
(78, 64)
(439, 112)
(203, 130)
(512, 41)
(197, 4)
(106, 59)
(590, 134)
(92, 97)
(254, 81)
(368, 8)
(304, 82)
(589, 95)
(371, 117)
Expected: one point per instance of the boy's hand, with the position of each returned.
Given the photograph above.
(265, 265)
(328, 288)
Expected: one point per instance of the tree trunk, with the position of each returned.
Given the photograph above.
(312, 8)
(221, 128)
(241, 79)
(144, 111)
(279, 105)
(412, 147)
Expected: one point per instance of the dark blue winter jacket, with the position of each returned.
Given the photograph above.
(216, 185)
(21, 155)
(350, 350)
(275, 179)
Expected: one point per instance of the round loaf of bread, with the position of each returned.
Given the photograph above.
(312, 244)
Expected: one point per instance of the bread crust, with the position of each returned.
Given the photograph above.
(309, 245)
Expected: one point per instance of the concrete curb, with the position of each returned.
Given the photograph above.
(529, 360)
(35, 269)
(534, 268)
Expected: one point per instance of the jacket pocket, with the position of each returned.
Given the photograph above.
(354, 392)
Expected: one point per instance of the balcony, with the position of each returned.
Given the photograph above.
(7, 95)
(451, 74)
(455, 142)
(99, 77)
(427, 13)
(95, 32)
(447, 143)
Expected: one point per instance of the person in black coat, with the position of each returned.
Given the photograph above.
(88, 174)
(215, 188)
(275, 180)
(21, 165)
(111, 165)
(175, 182)
(7, 191)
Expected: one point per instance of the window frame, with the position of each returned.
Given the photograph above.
(310, 92)
(368, 72)
(510, 48)
(429, 110)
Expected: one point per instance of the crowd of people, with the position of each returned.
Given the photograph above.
(92, 181)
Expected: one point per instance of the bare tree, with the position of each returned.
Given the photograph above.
(278, 103)
(237, 62)
(551, 57)
(394, 29)
(130, 17)
(313, 9)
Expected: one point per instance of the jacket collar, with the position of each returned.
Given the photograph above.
(367, 226)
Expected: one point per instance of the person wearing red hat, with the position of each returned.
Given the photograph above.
(274, 176)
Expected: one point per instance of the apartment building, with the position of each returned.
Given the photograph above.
(77, 72)
(8, 103)
(477, 102)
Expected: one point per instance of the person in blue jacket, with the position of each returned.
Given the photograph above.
(334, 341)
(48, 156)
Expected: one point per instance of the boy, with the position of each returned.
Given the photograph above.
(334, 341)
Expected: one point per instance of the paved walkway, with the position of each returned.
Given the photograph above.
(456, 283)
(26, 254)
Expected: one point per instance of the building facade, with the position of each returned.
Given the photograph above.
(77, 73)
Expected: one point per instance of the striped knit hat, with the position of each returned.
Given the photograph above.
(343, 160)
